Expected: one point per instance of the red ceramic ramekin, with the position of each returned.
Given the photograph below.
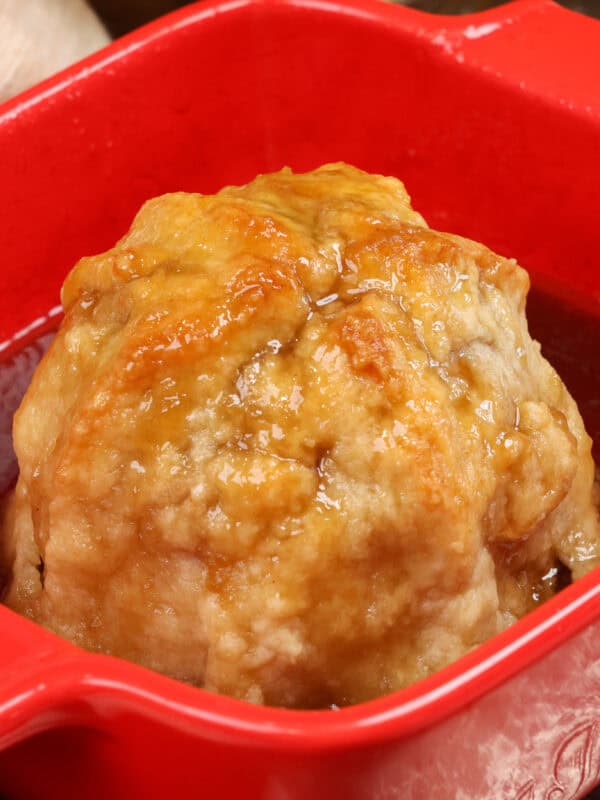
(493, 122)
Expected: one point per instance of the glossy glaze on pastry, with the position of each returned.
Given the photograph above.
(292, 445)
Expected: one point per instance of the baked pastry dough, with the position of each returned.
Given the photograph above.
(292, 445)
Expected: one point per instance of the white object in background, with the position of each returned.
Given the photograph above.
(40, 37)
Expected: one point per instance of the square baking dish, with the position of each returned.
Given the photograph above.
(493, 122)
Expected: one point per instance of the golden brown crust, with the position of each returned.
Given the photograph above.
(293, 445)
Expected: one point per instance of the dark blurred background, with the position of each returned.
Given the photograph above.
(121, 16)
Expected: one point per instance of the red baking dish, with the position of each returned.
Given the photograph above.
(493, 122)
